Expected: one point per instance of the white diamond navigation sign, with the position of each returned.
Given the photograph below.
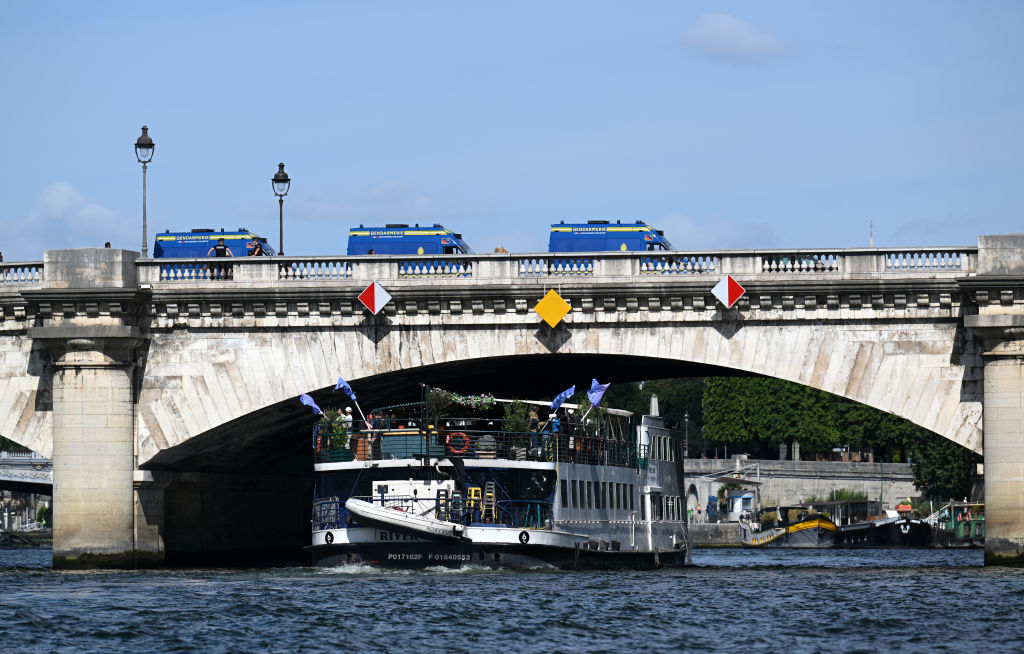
(728, 291)
(374, 298)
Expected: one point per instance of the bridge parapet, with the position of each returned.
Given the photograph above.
(21, 273)
(825, 264)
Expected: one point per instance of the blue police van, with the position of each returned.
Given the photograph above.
(197, 243)
(605, 236)
(396, 238)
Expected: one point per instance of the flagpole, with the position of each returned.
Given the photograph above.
(360, 410)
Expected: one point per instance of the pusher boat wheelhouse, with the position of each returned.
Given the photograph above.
(459, 481)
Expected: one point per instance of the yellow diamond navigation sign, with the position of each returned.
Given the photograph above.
(552, 308)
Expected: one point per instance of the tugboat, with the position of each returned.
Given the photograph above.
(459, 481)
(788, 526)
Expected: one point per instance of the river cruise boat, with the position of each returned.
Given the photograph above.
(788, 526)
(459, 481)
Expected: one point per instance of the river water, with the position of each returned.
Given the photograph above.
(731, 600)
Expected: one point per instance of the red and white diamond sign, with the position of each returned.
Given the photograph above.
(728, 291)
(374, 298)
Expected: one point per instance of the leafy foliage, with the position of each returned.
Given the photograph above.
(942, 469)
(7, 445)
(517, 417)
(837, 495)
(335, 427)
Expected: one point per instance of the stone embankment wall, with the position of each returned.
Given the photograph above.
(725, 534)
(790, 482)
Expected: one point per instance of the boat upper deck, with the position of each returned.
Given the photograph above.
(488, 441)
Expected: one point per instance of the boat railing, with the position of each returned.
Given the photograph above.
(472, 442)
(330, 512)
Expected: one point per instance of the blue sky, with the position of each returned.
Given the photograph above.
(727, 124)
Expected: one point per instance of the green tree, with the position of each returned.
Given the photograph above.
(942, 469)
(7, 445)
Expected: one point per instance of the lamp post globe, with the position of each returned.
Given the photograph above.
(281, 183)
(144, 148)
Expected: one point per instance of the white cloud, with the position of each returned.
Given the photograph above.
(64, 218)
(716, 233)
(725, 37)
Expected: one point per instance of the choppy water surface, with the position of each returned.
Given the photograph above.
(731, 600)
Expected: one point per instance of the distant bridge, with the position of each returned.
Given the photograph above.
(26, 472)
(176, 380)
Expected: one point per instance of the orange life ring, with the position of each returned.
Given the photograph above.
(460, 449)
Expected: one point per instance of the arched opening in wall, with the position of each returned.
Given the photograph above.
(26, 495)
(692, 504)
(241, 494)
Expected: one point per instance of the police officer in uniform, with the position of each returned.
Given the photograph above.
(220, 250)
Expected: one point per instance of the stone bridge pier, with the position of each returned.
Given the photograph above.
(999, 324)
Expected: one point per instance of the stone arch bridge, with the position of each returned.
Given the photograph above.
(160, 386)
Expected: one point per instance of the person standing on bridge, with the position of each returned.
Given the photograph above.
(220, 250)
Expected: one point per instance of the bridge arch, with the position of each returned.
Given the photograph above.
(250, 383)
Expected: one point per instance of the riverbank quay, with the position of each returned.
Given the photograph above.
(715, 534)
(791, 482)
(40, 538)
(867, 600)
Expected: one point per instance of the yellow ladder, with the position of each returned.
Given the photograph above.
(474, 499)
(489, 503)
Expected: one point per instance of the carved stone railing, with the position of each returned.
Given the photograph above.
(831, 264)
(21, 273)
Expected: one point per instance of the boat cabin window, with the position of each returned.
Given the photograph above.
(632, 501)
(590, 495)
(565, 494)
(575, 495)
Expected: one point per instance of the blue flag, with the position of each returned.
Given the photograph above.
(343, 385)
(562, 397)
(308, 401)
(596, 392)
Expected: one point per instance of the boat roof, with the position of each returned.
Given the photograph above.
(567, 405)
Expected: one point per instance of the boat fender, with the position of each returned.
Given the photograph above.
(524, 537)
(329, 537)
(460, 445)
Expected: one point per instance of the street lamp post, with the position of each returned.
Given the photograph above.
(144, 148)
(281, 183)
(686, 434)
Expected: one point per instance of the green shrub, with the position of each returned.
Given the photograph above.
(334, 427)
(517, 421)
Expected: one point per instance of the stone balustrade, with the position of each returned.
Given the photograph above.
(829, 264)
(834, 264)
(21, 273)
